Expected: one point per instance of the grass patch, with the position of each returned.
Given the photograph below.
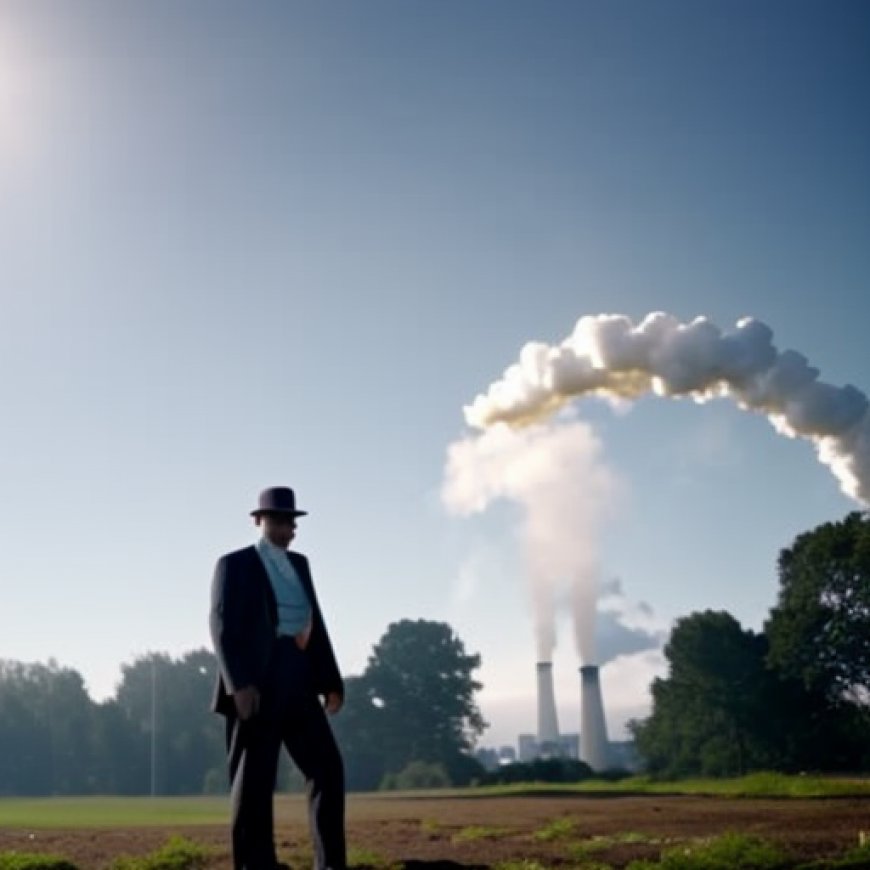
(755, 785)
(367, 858)
(582, 849)
(112, 812)
(178, 853)
(720, 853)
(854, 859)
(479, 832)
(141, 812)
(558, 829)
(33, 861)
(522, 864)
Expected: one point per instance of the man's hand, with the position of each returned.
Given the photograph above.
(333, 702)
(247, 702)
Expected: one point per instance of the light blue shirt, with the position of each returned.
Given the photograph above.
(294, 608)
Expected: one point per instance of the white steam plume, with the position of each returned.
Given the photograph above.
(611, 357)
(565, 492)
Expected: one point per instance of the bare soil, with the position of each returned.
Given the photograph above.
(427, 833)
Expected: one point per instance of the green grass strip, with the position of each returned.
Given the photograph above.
(108, 812)
(755, 785)
(112, 812)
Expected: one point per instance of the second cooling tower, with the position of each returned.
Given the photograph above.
(594, 747)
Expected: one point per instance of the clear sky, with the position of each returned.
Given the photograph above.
(286, 242)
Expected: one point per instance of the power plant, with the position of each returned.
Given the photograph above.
(591, 745)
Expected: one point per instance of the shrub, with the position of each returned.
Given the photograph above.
(178, 853)
(720, 853)
(558, 829)
(540, 770)
(417, 774)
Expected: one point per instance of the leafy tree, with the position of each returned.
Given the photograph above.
(707, 713)
(24, 763)
(358, 728)
(120, 766)
(421, 674)
(819, 631)
(46, 743)
(414, 702)
(174, 694)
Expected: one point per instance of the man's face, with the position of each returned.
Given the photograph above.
(280, 529)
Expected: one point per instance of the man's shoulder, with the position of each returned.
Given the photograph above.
(296, 556)
(236, 556)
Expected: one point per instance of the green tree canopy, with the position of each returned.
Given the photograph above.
(46, 719)
(819, 631)
(174, 695)
(414, 702)
(422, 676)
(707, 711)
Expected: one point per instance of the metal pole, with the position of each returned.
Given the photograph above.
(153, 727)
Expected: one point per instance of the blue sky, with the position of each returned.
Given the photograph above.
(245, 244)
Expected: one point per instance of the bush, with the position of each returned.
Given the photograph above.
(178, 853)
(417, 774)
(539, 770)
(463, 769)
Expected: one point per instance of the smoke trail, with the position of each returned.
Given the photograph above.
(557, 476)
(608, 356)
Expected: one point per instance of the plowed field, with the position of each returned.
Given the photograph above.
(557, 830)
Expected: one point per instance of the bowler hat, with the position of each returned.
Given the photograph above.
(277, 500)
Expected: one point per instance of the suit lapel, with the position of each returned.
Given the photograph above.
(304, 577)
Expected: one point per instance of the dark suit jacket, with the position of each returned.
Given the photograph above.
(244, 620)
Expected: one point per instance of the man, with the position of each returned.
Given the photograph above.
(277, 676)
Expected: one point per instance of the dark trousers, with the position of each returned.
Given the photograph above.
(290, 714)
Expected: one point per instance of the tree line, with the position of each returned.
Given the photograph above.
(792, 697)
(414, 702)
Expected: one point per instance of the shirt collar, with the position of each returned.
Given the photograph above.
(264, 545)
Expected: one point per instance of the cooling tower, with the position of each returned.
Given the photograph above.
(548, 726)
(594, 748)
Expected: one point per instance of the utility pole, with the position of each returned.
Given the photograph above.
(153, 727)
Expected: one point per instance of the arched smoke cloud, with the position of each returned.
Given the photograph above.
(611, 357)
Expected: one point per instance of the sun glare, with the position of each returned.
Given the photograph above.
(15, 85)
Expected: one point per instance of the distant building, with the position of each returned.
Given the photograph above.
(565, 746)
(492, 759)
(488, 758)
(528, 744)
(569, 745)
(507, 755)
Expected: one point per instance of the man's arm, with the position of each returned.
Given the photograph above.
(227, 618)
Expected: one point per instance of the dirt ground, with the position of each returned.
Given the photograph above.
(426, 833)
